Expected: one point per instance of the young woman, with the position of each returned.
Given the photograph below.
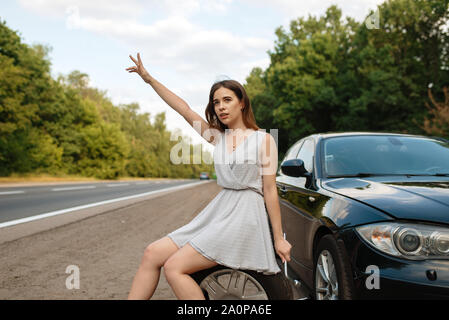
(232, 230)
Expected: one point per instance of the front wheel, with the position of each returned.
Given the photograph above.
(224, 283)
(332, 274)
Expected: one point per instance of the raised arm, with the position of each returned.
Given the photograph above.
(175, 102)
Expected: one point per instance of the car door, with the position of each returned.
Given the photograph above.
(297, 210)
(308, 202)
(290, 224)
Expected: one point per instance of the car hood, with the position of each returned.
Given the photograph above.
(415, 200)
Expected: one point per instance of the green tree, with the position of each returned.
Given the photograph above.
(103, 151)
(327, 74)
(437, 123)
(396, 63)
(25, 92)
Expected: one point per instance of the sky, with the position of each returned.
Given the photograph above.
(186, 45)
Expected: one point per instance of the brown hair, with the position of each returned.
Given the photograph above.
(237, 88)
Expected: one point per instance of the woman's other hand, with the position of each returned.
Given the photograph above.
(139, 69)
(283, 248)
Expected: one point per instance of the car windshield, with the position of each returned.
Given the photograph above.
(385, 154)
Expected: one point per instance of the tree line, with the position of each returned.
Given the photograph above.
(64, 126)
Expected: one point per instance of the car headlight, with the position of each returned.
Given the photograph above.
(406, 240)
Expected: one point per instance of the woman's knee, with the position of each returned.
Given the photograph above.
(170, 268)
(150, 255)
(157, 253)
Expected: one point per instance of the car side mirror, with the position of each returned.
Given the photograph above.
(294, 168)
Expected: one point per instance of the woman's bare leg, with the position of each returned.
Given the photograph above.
(177, 269)
(147, 276)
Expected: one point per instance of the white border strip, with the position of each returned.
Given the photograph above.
(11, 192)
(90, 205)
(73, 188)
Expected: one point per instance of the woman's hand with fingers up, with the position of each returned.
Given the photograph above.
(139, 69)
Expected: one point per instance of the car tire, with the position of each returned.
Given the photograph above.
(330, 262)
(224, 283)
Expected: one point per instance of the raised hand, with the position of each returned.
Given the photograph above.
(139, 69)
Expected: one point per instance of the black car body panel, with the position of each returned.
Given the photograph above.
(302, 218)
(403, 199)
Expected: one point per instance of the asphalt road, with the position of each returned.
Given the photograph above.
(28, 201)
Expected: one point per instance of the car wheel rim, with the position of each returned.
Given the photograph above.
(229, 284)
(326, 283)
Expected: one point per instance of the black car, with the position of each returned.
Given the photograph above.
(367, 215)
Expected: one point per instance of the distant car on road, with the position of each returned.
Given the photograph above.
(204, 176)
(367, 215)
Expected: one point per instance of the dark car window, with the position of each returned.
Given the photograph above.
(385, 155)
(306, 154)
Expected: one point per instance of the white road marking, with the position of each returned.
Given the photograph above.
(73, 188)
(117, 184)
(90, 205)
(139, 183)
(11, 192)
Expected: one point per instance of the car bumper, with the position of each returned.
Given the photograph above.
(396, 278)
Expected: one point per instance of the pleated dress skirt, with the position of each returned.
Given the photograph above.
(233, 229)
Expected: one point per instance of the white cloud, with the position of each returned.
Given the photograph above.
(123, 10)
(181, 8)
(188, 7)
(97, 8)
(302, 8)
(176, 42)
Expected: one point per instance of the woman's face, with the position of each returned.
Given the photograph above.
(225, 101)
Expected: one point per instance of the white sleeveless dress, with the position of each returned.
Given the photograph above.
(233, 229)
